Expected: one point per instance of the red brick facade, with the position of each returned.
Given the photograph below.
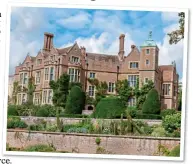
(51, 62)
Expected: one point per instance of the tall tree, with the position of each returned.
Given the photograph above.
(177, 35)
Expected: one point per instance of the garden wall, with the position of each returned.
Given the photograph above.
(33, 120)
(85, 143)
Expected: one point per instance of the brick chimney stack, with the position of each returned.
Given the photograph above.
(83, 51)
(121, 47)
(48, 41)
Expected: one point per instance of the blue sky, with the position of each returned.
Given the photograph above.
(97, 30)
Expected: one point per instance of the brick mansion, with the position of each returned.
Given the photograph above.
(51, 62)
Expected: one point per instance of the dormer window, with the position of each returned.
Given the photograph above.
(27, 64)
(52, 58)
(39, 61)
(74, 59)
(147, 51)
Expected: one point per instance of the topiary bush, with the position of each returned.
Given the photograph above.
(75, 101)
(168, 112)
(109, 107)
(12, 110)
(172, 122)
(152, 103)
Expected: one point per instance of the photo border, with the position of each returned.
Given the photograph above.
(107, 7)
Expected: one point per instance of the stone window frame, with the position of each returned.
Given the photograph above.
(92, 73)
(145, 82)
(133, 102)
(21, 97)
(112, 87)
(37, 99)
(76, 57)
(45, 96)
(38, 77)
(146, 62)
(132, 75)
(91, 89)
(169, 89)
(73, 76)
(133, 62)
(22, 78)
(39, 63)
(48, 73)
(147, 50)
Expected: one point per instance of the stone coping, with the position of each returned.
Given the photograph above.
(94, 135)
(69, 118)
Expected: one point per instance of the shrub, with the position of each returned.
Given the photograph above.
(15, 123)
(75, 101)
(40, 148)
(42, 112)
(98, 140)
(132, 111)
(109, 107)
(175, 152)
(159, 132)
(12, 110)
(152, 103)
(168, 112)
(172, 122)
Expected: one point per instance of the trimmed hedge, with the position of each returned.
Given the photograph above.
(109, 107)
(152, 103)
(148, 116)
(12, 111)
(168, 112)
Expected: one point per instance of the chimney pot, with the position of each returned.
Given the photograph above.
(48, 41)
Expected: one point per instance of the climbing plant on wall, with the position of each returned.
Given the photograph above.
(30, 90)
(101, 89)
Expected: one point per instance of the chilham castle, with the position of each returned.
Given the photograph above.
(51, 62)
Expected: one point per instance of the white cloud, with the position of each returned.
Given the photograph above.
(169, 53)
(19, 50)
(77, 21)
(104, 43)
(170, 16)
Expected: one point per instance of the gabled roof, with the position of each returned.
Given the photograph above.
(63, 50)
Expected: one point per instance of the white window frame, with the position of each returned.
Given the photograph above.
(46, 98)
